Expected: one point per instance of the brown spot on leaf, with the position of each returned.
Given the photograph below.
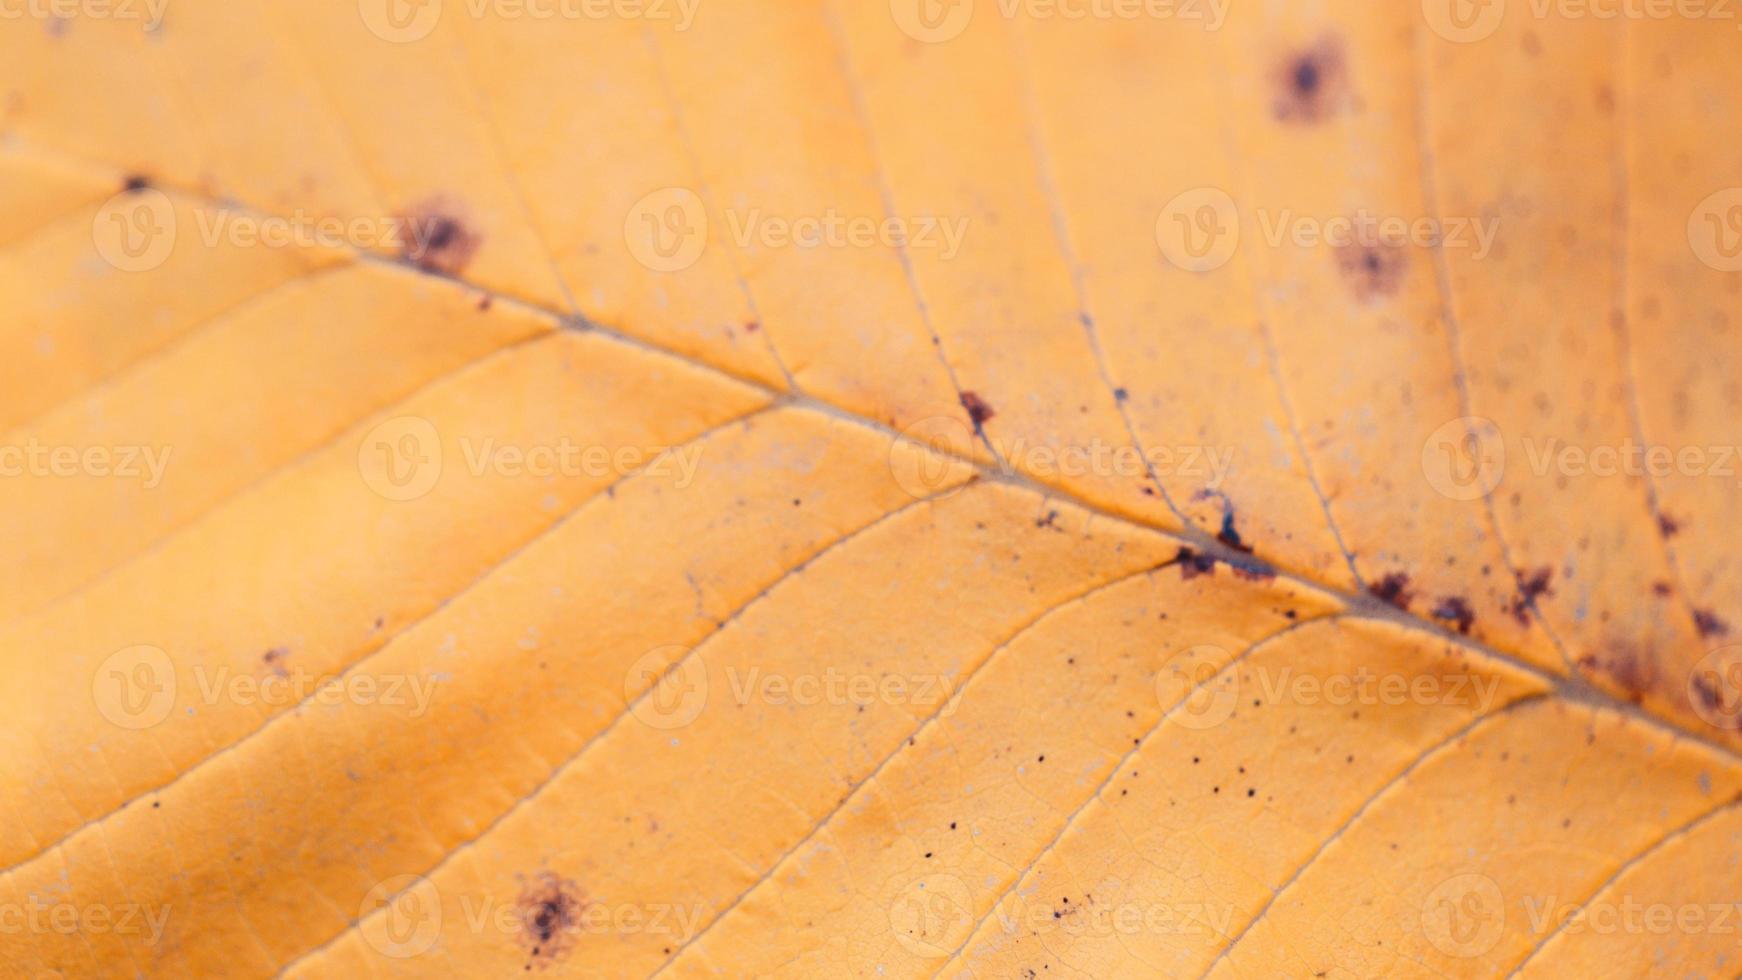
(435, 238)
(1228, 534)
(549, 910)
(1456, 609)
(1624, 666)
(1393, 588)
(1529, 588)
(977, 408)
(1708, 623)
(1191, 564)
(1372, 269)
(1313, 84)
(275, 658)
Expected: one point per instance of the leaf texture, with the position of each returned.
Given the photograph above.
(812, 488)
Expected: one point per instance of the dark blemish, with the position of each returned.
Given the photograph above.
(1710, 697)
(275, 658)
(752, 326)
(485, 302)
(1393, 588)
(1373, 269)
(1228, 534)
(1313, 84)
(1120, 394)
(1661, 589)
(977, 408)
(1708, 623)
(1456, 609)
(135, 183)
(1050, 520)
(1668, 525)
(1528, 591)
(435, 240)
(1191, 564)
(380, 621)
(1633, 672)
(549, 909)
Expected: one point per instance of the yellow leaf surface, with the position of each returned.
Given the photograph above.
(1016, 488)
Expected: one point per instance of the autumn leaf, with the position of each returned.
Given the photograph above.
(1027, 488)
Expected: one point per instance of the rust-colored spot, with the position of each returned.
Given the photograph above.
(1668, 525)
(1229, 533)
(977, 408)
(1456, 609)
(1529, 589)
(1661, 589)
(1707, 692)
(275, 658)
(1708, 623)
(1372, 269)
(1313, 84)
(1191, 564)
(549, 909)
(1625, 667)
(433, 237)
(1393, 588)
